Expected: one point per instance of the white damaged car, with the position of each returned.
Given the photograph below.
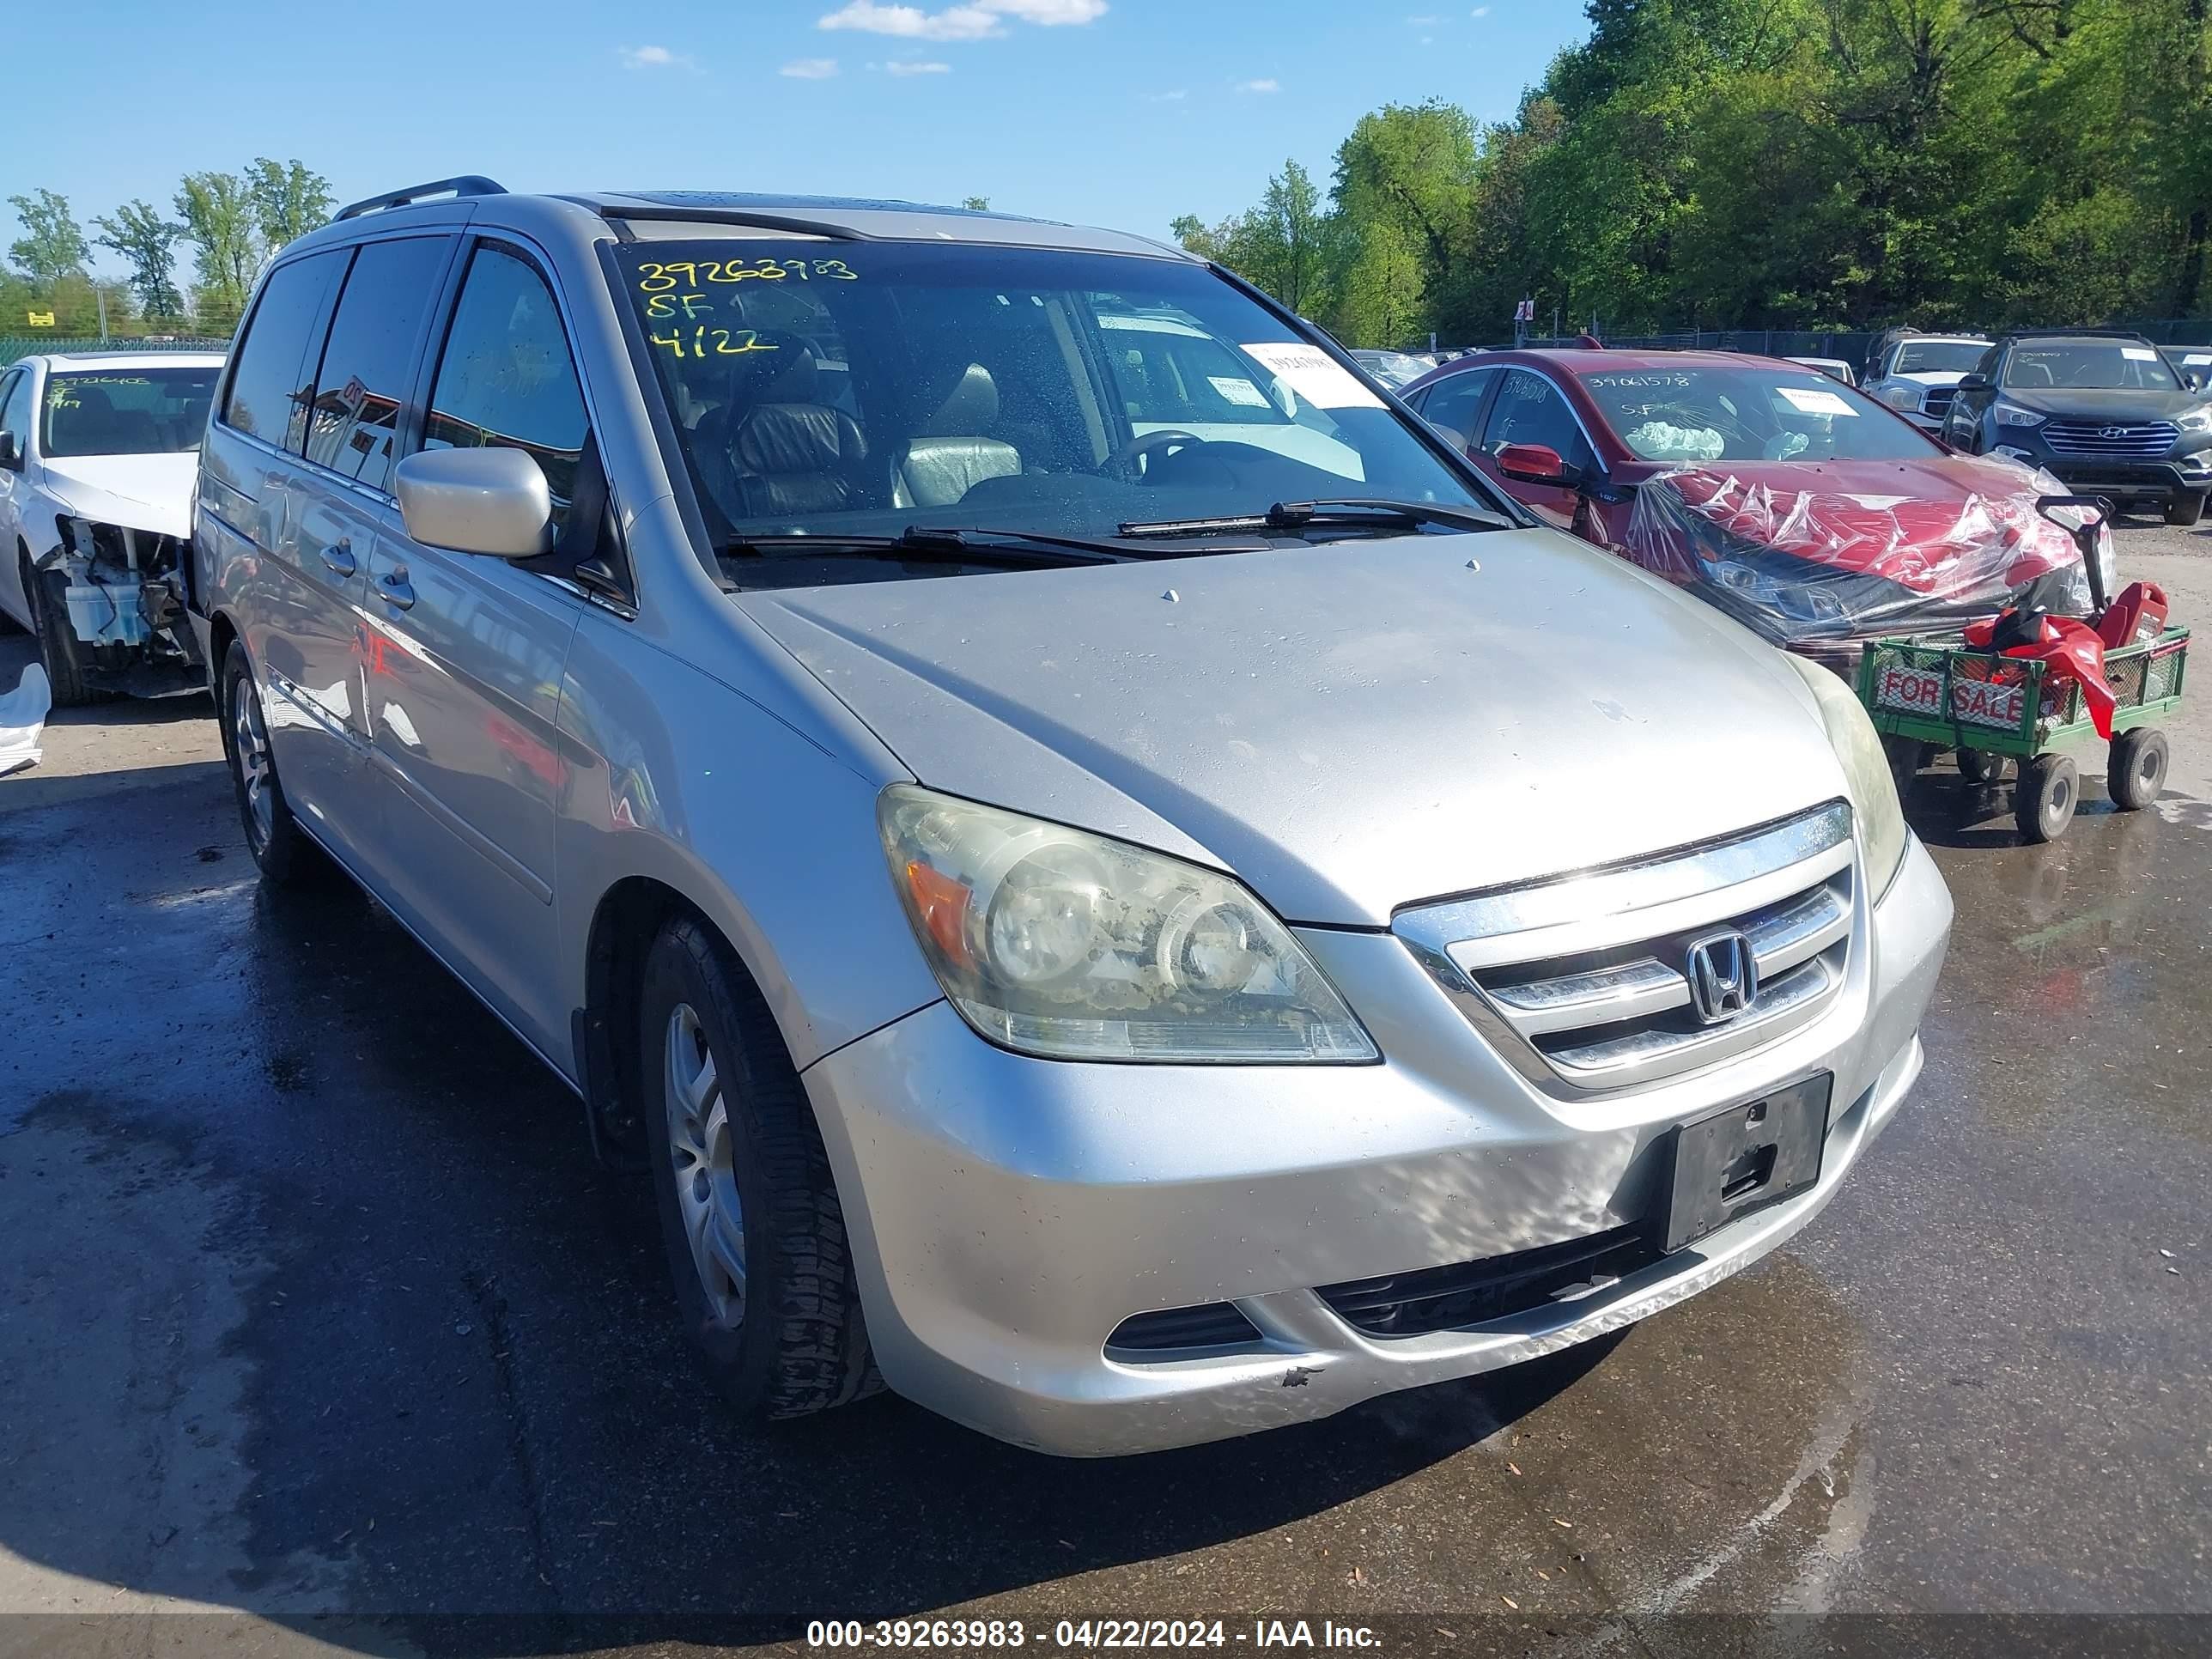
(97, 456)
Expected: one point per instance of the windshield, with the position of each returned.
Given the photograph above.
(2088, 366)
(1939, 357)
(1749, 414)
(126, 411)
(851, 390)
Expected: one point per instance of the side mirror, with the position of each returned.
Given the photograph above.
(1537, 464)
(1974, 383)
(493, 501)
(2194, 378)
(11, 452)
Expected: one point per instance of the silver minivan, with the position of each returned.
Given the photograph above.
(1112, 884)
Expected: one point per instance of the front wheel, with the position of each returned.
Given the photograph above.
(45, 596)
(2183, 510)
(2137, 771)
(750, 1218)
(2044, 798)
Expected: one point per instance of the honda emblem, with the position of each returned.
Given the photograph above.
(1723, 975)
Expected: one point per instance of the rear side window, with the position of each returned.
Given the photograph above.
(506, 379)
(1453, 404)
(363, 380)
(271, 383)
(16, 405)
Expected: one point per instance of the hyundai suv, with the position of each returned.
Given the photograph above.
(1114, 885)
(2103, 410)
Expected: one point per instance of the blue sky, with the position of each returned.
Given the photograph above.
(1120, 112)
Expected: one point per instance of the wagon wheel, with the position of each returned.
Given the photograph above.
(2137, 771)
(1980, 767)
(2043, 799)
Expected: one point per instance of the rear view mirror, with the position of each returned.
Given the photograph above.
(492, 502)
(1537, 464)
(11, 452)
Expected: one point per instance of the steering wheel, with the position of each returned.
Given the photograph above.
(1124, 460)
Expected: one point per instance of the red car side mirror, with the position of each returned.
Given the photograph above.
(1537, 464)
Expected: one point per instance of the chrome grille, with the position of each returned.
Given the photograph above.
(1937, 401)
(2094, 440)
(1582, 981)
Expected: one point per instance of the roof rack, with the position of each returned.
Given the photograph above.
(615, 212)
(468, 184)
(2073, 333)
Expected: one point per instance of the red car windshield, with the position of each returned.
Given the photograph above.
(1695, 414)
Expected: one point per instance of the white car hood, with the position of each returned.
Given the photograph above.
(1933, 377)
(143, 492)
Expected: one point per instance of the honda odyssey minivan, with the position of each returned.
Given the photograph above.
(1114, 886)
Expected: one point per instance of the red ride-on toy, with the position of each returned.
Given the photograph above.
(1927, 696)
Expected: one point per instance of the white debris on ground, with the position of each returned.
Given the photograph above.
(23, 717)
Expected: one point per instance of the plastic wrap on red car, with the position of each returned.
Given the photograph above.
(1803, 565)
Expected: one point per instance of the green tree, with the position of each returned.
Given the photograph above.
(52, 246)
(147, 242)
(220, 224)
(976, 203)
(288, 200)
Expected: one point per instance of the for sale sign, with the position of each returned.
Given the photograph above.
(1981, 703)
(1909, 690)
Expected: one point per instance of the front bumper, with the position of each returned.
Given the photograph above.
(1007, 1214)
(2133, 480)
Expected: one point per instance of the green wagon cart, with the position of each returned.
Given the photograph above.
(1929, 695)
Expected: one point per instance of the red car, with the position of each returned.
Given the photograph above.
(1813, 514)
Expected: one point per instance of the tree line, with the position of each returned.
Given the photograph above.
(230, 222)
(1819, 164)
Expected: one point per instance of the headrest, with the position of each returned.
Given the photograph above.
(772, 439)
(969, 409)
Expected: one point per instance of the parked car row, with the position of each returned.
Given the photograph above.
(1117, 881)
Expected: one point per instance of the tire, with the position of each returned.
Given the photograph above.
(2043, 799)
(2183, 510)
(59, 649)
(769, 1299)
(282, 851)
(1981, 766)
(2137, 771)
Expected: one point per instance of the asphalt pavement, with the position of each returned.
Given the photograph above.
(319, 1329)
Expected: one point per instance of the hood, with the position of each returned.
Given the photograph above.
(1933, 377)
(1349, 728)
(145, 492)
(2121, 407)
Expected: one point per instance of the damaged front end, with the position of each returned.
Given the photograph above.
(115, 597)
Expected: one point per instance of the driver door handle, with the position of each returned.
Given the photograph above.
(396, 591)
(340, 559)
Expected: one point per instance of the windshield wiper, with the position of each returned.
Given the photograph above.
(927, 545)
(1350, 511)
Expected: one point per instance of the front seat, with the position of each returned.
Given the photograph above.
(949, 455)
(785, 455)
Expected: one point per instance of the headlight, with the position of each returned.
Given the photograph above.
(1904, 397)
(1866, 774)
(2014, 415)
(2195, 420)
(1070, 946)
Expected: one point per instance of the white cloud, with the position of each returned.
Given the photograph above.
(1175, 97)
(1480, 11)
(809, 69)
(912, 68)
(973, 19)
(1428, 21)
(655, 57)
(1259, 86)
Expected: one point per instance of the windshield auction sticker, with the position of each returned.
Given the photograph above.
(1313, 375)
(1811, 400)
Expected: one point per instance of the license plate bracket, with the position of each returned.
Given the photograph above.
(1753, 1154)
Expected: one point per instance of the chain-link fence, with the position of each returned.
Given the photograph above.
(13, 346)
